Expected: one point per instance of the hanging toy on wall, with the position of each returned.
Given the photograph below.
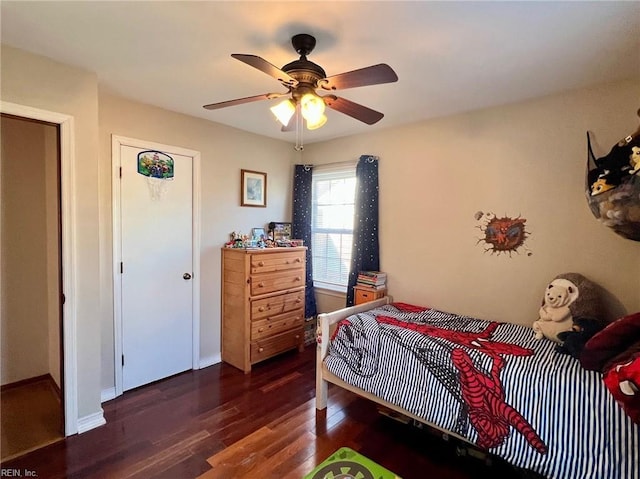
(613, 186)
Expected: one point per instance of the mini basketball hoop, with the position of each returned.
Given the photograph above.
(158, 168)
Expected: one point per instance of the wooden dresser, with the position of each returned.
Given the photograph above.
(262, 303)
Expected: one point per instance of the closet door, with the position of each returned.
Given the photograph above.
(156, 286)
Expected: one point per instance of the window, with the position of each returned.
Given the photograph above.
(333, 207)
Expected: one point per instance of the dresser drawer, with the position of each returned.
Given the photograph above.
(268, 283)
(264, 328)
(263, 349)
(263, 308)
(282, 261)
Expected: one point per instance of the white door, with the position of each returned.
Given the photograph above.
(156, 270)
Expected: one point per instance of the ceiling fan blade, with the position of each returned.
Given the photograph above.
(240, 101)
(373, 75)
(266, 67)
(354, 110)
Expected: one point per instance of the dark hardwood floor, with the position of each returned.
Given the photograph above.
(220, 423)
(31, 416)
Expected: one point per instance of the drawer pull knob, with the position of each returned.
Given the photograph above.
(298, 278)
(297, 336)
(260, 350)
(260, 263)
(298, 300)
(261, 309)
(260, 330)
(298, 260)
(260, 284)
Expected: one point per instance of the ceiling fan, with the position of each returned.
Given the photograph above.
(303, 79)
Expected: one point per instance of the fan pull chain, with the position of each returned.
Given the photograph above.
(299, 130)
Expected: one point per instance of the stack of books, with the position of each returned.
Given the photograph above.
(372, 279)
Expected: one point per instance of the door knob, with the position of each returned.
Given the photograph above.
(186, 276)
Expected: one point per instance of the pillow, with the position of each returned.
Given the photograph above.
(612, 343)
(623, 381)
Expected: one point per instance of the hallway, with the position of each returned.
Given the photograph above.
(31, 416)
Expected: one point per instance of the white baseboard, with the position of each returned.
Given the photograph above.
(91, 421)
(210, 360)
(107, 395)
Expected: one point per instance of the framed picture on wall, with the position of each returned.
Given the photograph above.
(253, 187)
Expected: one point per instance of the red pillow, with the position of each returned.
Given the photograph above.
(623, 380)
(611, 343)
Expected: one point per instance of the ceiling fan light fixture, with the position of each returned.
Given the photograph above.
(301, 78)
(283, 111)
(315, 125)
(312, 108)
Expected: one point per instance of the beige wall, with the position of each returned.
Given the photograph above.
(224, 152)
(38, 82)
(30, 330)
(523, 160)
(327, 301)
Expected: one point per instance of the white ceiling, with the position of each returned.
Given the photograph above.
(450, 57)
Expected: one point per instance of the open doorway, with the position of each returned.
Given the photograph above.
(32, 373)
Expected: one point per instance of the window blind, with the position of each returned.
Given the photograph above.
(333, 207)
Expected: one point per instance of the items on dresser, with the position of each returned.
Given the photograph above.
(262, 303)
(280, 231)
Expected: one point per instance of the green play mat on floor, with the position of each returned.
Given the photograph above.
(346, 463)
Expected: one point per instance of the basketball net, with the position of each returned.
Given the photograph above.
(158, 187)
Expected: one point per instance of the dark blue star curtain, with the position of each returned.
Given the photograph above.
(301, 228)
(365, 253)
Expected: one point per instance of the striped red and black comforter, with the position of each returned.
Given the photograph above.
(493, 384)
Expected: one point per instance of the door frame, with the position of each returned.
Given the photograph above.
(116, 143)
(69, 253)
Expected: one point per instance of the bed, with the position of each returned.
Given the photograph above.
(489, 384)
